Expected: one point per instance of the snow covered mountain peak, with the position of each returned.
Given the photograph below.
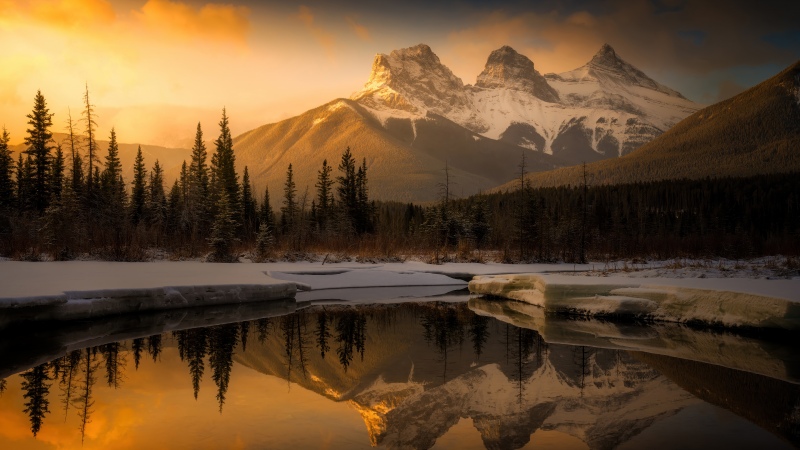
(610, 70)
(508, 69)
(414, 80)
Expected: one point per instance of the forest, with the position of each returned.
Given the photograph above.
(68, 200)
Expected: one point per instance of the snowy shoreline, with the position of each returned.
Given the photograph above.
(728, 302)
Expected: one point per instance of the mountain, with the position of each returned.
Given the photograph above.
(414, 117)
(756, 132)
(603, 109)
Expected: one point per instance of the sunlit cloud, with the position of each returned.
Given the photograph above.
(360, 30)
(323, 37)
(216, 22)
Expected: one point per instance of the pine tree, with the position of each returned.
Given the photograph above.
(325, 200)
(111, 178)
(197, 199)
(57, 173)
(266, 228)
(156, 198)
(289, 209)
(364, 213)
(75, 162)
(139, 191)
(91, 146)
(224, 164)
(223, 232)
(25, 174)
(248, 205)
(38, 141)
(347, 190)
(7, 193)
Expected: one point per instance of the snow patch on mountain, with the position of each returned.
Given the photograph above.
(603, 109)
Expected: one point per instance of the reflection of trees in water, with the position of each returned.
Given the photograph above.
(114, 363)
(443, 326)
(323, 333)
(525, 352)
(192, 347)
(262, 328)
(478, 333)
(582, 358)
(244, 331)
(67, 376)
(35, 388)
(136, 347)
(351, 328)
(221, 343)
(83, 401)
(154, 346)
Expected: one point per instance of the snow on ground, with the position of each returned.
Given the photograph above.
(719, 301)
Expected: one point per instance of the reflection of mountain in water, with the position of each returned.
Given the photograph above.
(417, 373)
(412, 371)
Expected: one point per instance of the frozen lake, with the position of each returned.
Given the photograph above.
(432, 372)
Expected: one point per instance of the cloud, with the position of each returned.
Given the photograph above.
(216, 22)
(360, 30)
(324, 38)
(662, 38)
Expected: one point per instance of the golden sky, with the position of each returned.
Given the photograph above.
(156, 67)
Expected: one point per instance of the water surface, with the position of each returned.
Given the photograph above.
(411, 375)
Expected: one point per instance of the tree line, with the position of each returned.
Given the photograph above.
(66, 200)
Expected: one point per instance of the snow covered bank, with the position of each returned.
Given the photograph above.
(725, 302)
(80, 290)
(772, 358)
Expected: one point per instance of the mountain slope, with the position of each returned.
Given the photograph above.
(755, 132)
(405, 158)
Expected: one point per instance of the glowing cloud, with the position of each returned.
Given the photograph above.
(211, 21)
(360, 30)
(324, 38)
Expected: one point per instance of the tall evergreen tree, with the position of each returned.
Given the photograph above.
(91, 145)
(198, 187)
(75, 162)
(156, 197)
(57, 173)
(7, 193)
(38, 141)
(363, 210)
(111, 178)
(324, 195)
(347, 189)
(25, 174)
(248, 205)
(266, 227)
(289, 208)
(223, 232)
(139, 191)
(224, 163)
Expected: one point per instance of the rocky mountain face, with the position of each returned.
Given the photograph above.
(754, 133)
(603, 109)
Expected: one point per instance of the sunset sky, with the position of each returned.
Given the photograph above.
(157, 67)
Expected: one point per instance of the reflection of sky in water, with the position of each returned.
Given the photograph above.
(429, 375)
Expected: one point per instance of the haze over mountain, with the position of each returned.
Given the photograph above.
(414, 117)
(755, 132)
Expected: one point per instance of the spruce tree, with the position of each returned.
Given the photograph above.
(248, 205)
(91, 146)
(266, 228)
(364, 211)
(223, 232)
(38, 141)
(7, 193)
(156, 197)
(224, 164)
(289, 208)
(139, 191)
(347, 190)
(75, 162)
(111, 178)
(198, 187)
(35, 389)
(324, 201)
(57, 173)
(25, 175)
